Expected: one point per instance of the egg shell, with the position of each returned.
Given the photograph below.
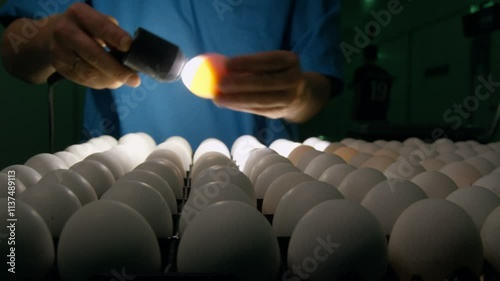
(264, 162)
(358, 159)
(271, 173)
(357, 184)
(201, 74)
(27, 175)
(491, 182)
(210, 145)
(45, 162)
(69, 158)
(346, 153)
(298, 152)
(168, 171)
(320, 163)
(96, 173)
(492, 156)
(210, 159)
(110, 162)
(333, 147)
(489, 236)
(403, 169)
(280, 187)
(336, 174)
(462, 173)
(435, 184)
(306, 158)
(449, 157)
(74, 182)
(254, 157)
(432, 164)
(483, 166)
(167, 154)
(378, 162)
(6, 183)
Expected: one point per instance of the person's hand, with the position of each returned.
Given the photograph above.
(77, 49)
(271, 84)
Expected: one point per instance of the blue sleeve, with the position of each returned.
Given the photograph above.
(315, 37)
(35, 9)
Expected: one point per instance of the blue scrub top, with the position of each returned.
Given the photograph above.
(229, 27)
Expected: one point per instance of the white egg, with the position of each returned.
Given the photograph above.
(484, 166)
(183, 142)
(80, 150)
(333, 147)
(393, 145)
(306, 158)
(356, 144)
(137, 153)
(378, 162)
(389, 198)
(34, 248)
(224, 175)
(254, 156)
(109, 237)
(412, 251)
(358, 159)
(167, 154)
(334, 239)
(147, 201)
(346, 153)
(492, 156)
(100, 143)
(54, 202)
(279, 187)
(347, 141)
(45, 162)
(265, 162)
(321, 145)
(27, 175)
(358, 183)
(412, 141)
(491, 182)
(10, 186)
(435, 184)
(210, 145)
(477, 201)
(181, 152)
(369, 148)
(463, 174)
(156, 182)
(242, 150)
(150, 142)
(449, 157)
(168, 171)
(465, 152)
(298, 152)
(233, 228)
(283, 147)
(138, 141)
(311, 141)
(209, 159)
(74, 182)
(110, 140)
(298, 201)
(320, 163)
(403, 169)
(481, 148)
(446, 147)
(432, 164)
(496, 171)
(380, 143)
(69, 158)
(245, 143)
(118, 153)
(489, 236)
(208, 194)
(97, 174)
(267, 177)
(113, 164)
(407, 149)
(336, 174)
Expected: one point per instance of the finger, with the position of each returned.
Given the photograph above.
(263, 62)
(249, 82)
(273, 113)
(101, 26)
(90, 51)
(270, 99)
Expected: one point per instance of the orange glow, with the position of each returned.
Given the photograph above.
(202, 74)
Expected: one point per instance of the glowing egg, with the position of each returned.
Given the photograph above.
(280, 187)
(147, 201)
(336, 174)
(477, 201)
(74, 182)
(389, 198)
(489, 236)
(357, 184)
(156, 182)
(45, 162)
(453, 231)
(217, 237)
(335, 239)
(96, 173)
(54, 202)
(298, 201)
(201, 75)
(34, 247)
(271, 173)
(210, 145)
(435, 184)
(27, 175)
(109, 237)
(463, 174)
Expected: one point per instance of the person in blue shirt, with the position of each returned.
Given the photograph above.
(284, 62)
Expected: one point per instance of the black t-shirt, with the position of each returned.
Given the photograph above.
(373, 85)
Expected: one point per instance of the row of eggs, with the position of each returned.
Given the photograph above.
(266, 170)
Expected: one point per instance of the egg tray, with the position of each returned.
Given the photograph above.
(169, 247)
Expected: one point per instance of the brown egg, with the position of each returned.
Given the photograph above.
(346, 153)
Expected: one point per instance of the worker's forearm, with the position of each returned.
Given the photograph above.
(315, 94)
(28, 57)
